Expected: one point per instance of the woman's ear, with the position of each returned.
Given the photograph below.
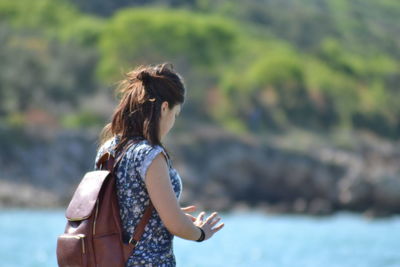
(164, 106)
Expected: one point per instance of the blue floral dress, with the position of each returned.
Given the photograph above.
(155, 247)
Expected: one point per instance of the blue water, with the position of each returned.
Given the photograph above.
(28, 238)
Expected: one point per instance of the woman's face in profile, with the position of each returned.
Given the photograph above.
(167, 119)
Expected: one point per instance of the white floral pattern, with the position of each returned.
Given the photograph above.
(155, 247)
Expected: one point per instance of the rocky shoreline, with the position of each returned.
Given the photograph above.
(220, 171)
(239, 173)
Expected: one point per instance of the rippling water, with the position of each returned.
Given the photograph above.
(28, 238)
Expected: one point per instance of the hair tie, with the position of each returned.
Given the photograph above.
(144, 76)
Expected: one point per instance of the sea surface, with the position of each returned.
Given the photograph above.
(28, 238)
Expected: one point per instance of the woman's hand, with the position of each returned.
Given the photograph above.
(208, 224)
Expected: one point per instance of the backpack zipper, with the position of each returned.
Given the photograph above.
(95, 216)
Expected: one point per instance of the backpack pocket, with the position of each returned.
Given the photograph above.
(71, 250)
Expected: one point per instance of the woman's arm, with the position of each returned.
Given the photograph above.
(165, 202)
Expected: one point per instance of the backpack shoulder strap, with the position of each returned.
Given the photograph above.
(108, 162)
(105, 161)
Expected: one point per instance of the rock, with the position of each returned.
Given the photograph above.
(355, 193)
(26, 196)
(300, 205)
(320, 206)
(386, 193)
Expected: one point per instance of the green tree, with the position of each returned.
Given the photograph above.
(35, 72)
(137, 36)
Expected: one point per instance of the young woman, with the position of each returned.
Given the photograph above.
(151, 99)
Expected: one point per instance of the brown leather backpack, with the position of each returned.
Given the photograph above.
(93, 234)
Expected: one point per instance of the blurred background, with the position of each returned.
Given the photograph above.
(291, 126)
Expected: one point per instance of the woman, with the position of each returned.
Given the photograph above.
(151, 99)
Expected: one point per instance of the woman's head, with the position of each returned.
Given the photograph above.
(150, 98)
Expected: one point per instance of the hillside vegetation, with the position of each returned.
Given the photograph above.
(291, 106)
(265, 65)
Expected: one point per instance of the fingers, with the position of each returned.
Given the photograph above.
(211, 217)
(219, 227)
(191, 217)
(200, 217)
(210, 222)
(214, 222)
(191, 208)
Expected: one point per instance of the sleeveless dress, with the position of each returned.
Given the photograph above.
(155, 247)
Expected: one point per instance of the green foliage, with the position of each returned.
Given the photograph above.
(54, 18)
(84, 119)
(15, 120)
(45, 61)
(136, 36)
(38, 14)
(273, 92)
(280, 87)
(35, 72)
(270, 64)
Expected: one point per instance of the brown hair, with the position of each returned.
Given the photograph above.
(141, 94)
